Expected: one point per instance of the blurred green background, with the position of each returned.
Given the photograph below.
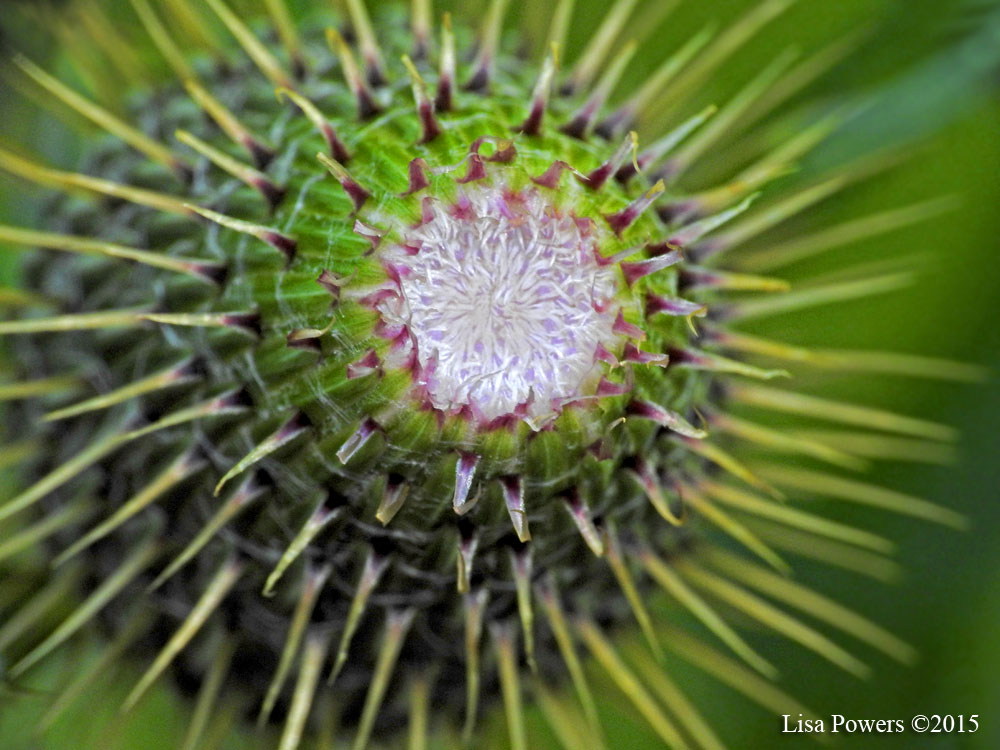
(926, 75)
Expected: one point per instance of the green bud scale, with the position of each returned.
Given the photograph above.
(407, 377)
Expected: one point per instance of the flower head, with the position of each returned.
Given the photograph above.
(412, 354)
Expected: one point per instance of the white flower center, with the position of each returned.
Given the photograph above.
(505, 302)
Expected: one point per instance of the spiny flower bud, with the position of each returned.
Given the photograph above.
(367, 373)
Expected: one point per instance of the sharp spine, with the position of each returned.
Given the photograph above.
(315, 580)
(256, 51)
(375, 565)
(397, 626)
(310, 667)
(236, 504)
(367, 106)
(220, 585)
(482, 66)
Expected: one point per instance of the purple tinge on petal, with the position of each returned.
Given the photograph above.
(579, 511)
(513, 493)
(665, 418)
(656, 304)
(624, 328)
(607, 388)
(429, 124)
(550, 177)
(357, 440)
(635, 355)
(465, 469)
(623, 219)
(370, 233)
(418, 176)
(368, 364)
(281, 242)
(633, 271)
(601, 354)
(477, 170)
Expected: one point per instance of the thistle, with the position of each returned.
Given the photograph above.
(361, 376)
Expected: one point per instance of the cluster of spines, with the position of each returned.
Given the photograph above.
(751, 518)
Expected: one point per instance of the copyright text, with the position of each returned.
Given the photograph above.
(920, 723)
